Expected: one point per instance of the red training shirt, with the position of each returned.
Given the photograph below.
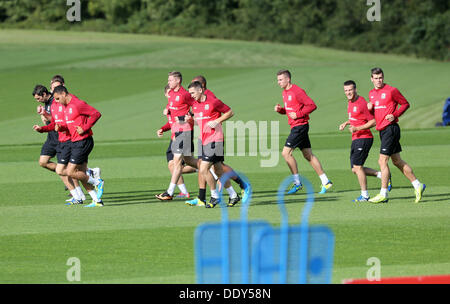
(79, 113)
(57, 111)
(358, 115)
(179, 104)
(296, 100)
(204, 112)
(385, 101)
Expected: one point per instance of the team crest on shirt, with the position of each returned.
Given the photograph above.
(290, 97)
(177, 98)
(383, 96)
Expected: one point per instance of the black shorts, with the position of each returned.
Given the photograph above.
(169, 154)
(298, 138)
(360, 151)
(212, 152)
(80, 151)
(183, 143)
(49, 148)
(64, 152)
(390, 140)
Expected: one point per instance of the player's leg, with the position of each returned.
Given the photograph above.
(389, 145)
(77, 168)
(48, 151)
(200, 200)
(204, 170)
(81, 171)
(358, 154)
(382, 197)
(407, 171)
(287, 154)
(177, 168)
(180, 184)
(290, 160)
(362, 180)
(317, 166)
(44, 162)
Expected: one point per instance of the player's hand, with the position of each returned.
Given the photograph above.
(57, 127)
(293, 115)
(37, 128)
(188, 118)
(159, 133)
(342, 126)
(80, 130)
(165, 111)
(353, 129)
(390, 117)
(277, 108)
(212, 124)
(40, 110)
(370, 106)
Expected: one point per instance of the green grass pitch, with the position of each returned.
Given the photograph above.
(137, 239)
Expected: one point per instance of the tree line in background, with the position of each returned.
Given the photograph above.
(413, 27)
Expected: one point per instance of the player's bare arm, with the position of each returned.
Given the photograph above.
(224, 117)
(343, 125)
(367, 125)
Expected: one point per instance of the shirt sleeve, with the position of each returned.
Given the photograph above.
(308, 104)
(282, 111)
(94, 115)
(401, 100)
(166, 127)
(48, 128)
(221, 107)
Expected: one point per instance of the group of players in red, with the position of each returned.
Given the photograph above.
(68, 122)
(385, 105)
(200, 106)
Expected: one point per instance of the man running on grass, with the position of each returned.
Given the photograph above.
(298, 106)
(360, 120)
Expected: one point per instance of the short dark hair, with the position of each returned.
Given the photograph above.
(201, 79)
(177, 75)
(57, 78)
(60, 89)
(350, 82)
(284, 72)
(40, 90)
(376, 71)
(195, 85)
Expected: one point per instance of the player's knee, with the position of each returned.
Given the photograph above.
(43, 163)
(382, 161)
(59, 171)
(203, 171)
(286, 154)
(71, 172)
